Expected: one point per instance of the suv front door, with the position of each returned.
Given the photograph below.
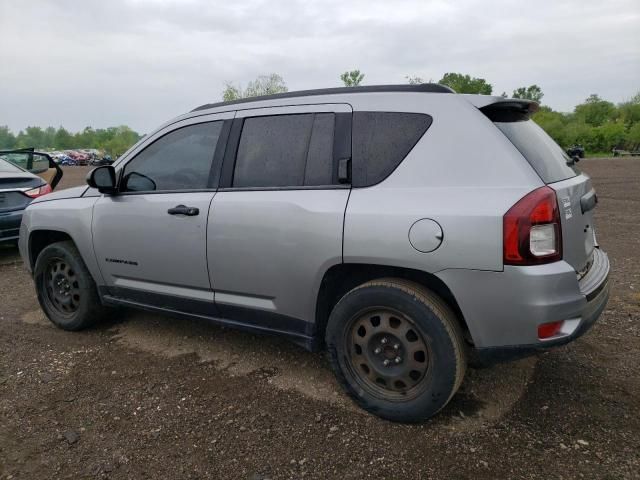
(276, 223)
(150, 238)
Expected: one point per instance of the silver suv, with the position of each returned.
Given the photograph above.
(404, 228)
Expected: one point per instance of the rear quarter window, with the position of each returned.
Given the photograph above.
(381, 140)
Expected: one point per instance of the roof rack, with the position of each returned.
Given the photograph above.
(423, 87)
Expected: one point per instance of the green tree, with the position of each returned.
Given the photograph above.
(30, 137)
(417, 80)
(263, 85)
(7, 138)
(266, 85)
(85, 139)
(352, 78)
(103, 135)
(231, 92)
(629, 111)
(121, 140)
(633, 135)
(574, 132)
(49, 138)
(466, 84)
(63, 139)
(635, 99)
(595, 111)
(532, 92)
(610, 135)
(116, 140)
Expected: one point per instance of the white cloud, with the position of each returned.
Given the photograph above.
(140, 62)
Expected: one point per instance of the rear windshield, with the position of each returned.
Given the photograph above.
(542, 153)
(7, 167)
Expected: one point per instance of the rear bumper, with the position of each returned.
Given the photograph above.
(589, 316)
(10, 225)
(504, 309)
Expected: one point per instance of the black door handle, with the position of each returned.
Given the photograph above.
(182, 210)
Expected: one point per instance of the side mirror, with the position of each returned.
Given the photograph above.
(104, 179)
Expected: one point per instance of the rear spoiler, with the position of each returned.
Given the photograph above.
(500, 109)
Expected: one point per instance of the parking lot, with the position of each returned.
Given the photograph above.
(145, 396)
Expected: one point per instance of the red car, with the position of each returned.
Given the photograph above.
(81, 158)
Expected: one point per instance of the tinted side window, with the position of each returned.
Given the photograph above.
(381, 140)
(319, 168)
(181, 160)
(285, 151)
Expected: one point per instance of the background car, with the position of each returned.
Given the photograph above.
(79, 157)
(24, 175)
(67, 160)
(105, 160)
(576, 150)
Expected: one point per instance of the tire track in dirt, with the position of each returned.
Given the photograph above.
(485, 396)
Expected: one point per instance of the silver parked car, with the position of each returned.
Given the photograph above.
(404, 228)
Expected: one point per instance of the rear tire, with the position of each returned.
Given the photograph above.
(397, 349)
(66, 291)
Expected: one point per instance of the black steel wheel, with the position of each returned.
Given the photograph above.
(397, 349)
(388, 355)
(61, 287)
(66, 290)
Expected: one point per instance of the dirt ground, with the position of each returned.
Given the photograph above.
(145, 396)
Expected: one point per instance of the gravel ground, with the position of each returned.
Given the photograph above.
(145, 396)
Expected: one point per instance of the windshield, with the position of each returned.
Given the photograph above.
(542, 153)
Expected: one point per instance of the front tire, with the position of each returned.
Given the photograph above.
(397, 349)
(66, 291)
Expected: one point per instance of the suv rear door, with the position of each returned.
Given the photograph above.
(575, 194)
(276, 223)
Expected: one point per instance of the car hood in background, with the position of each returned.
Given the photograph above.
(73, 192)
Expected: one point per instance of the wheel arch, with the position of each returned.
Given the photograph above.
(341, 278)
(40, 239)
